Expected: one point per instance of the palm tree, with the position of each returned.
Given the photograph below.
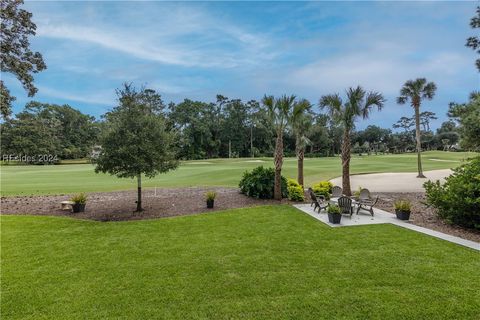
(358, 104)
(301, 122)
(415, 91)
(279, 111)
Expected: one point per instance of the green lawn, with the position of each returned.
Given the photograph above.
(24, 180)
(258, 263)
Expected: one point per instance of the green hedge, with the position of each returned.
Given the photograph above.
(458, 199)
(259, 183)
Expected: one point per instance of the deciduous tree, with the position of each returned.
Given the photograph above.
(16, 57)
(136, 142)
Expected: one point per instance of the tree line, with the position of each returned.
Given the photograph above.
(234, 128)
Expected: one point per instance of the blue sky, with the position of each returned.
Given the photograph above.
(246, 49)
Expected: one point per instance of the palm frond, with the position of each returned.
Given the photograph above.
(429, 90)
(373, 99)
(333, 104)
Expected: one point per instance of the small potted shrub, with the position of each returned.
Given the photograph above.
(334, 215)
(79, 202)
(210, 197)
(402, 209)
(356, 193)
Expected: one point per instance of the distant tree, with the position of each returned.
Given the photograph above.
(197, 124)
(414, 91)
(320, 140)
(468, 117)
(16, 57)
(57, 130)
(33, 132)
(474, 41)
(373, 135)
(279, 111)
(405, 123)
(447, 135)
(358, 104)
(236, 115)
(136, 141)
(447, 126)
(425, 118)
(301, 122)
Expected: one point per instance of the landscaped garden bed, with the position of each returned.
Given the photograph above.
(425, 216)
(119, 205)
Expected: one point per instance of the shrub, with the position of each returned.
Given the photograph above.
(402, 205)
(295, 191)
(259, 183)
(334, 208)
(323, 188)
(210, 195)
(357, 192)
(80, 198)
(458, 199)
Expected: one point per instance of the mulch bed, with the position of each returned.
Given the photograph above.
(168, 202)
(119, 205)
(425, 216)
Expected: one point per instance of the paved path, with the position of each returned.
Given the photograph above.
(380, 216)
(393, 182)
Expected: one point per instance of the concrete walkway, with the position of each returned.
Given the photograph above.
(393, 182)
(380, 216)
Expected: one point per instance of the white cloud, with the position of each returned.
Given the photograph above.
(100, 97)
(183, 37)
(377, 69)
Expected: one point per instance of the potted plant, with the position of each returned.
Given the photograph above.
(210, 197)
(356, 193)
(79, 202)
(402, 209)
(334, 214)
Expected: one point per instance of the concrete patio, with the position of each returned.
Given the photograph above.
(381, 216)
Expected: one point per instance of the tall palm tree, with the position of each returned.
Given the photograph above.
(414, 91)
(358, 104)
(301, 122)
(279, 111)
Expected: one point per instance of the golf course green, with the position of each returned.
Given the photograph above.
(71, 178)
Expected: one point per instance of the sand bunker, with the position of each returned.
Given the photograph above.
(393, 182)
(442, 160)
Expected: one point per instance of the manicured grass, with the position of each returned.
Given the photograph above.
(258, 263)
(25, 180)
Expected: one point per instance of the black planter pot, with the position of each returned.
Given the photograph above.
(334, 218)
(402, 215)
(78, 207)
(210, 203)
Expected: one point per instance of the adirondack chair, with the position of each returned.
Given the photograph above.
(345, 204)
(337, 192)
(364, 195)
(367, 204)
(318, 201)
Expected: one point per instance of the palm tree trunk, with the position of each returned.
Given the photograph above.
(300, 157)
(139, 193)
(277, 190)
(419, 141)
(346, 163)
